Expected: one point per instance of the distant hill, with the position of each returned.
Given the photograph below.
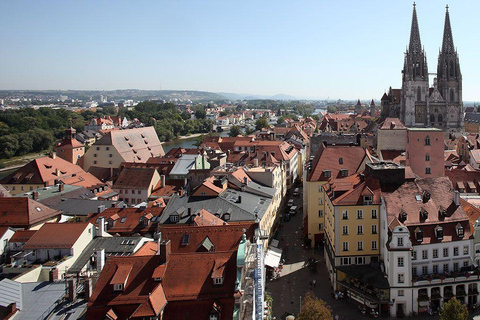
(123, 94)
(247, 96)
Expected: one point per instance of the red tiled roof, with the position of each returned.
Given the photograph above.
(22, 212)
(135, 178)
(393, 124)
(46, 170)
(121, 274)
(56, 236)
(356, 188)
(22, 235)
(224, 238)
(335, 159)
(137, 291)
(131, 218)
(205, 218)
(197, 282)
(441, 198)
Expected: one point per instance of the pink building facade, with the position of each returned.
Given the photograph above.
(424, 152)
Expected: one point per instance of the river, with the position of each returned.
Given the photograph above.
(184, 143)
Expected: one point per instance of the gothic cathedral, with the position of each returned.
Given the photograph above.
(419, 105)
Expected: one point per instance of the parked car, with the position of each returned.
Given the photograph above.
(296, 192)
(293, 210)
(290, 203)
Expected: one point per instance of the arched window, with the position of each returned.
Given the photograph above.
(427, 139)
(452, 95)
(419, 94)
(451, 69)
(440, 118)
(432, 119)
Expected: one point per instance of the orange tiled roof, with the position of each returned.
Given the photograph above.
(56, 236)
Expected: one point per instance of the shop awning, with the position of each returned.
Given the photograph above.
(272, 257)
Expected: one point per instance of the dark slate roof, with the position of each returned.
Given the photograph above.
(81, 207)
(472, 117)
(250, 207)
(113, 247)
(51, 196)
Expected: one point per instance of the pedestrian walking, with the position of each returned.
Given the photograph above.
(337, 317)
(314, 282)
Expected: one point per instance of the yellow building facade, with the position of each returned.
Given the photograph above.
(351, 223)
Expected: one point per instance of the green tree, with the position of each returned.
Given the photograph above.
(454, 310)
(234, 131)
(261, 123)
(281, 120)
(199, 140)
(8, 145)
(331, 109)
(200, 114)
(314, 309)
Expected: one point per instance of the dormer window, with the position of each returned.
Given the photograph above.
(460, 231)
(118, 287)
(419, 234)
(423, 214)
(367, 200)
(402, 216)
(442, 213)
(327, 173)
(218, 281)
(439, 232)
(226, 216)
(174, 218)
(185, 239)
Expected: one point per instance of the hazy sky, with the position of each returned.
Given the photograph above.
(308, 49)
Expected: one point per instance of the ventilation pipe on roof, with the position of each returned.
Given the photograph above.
(162, 179)
(456, 197)
(101, 227)
(100, 260)
(159, 243)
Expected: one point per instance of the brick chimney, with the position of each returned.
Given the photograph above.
(162, 179)
(61, 187)
(35, 195)
(165, 250)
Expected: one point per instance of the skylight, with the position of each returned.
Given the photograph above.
(418, 197)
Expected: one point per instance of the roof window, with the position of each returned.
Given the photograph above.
(460, 231)
(185, 239)
(439, 232)
(419, 234)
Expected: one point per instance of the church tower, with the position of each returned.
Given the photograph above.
(415, 79)
(449, 78)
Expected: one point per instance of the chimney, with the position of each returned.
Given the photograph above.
(255, 162)
(159, 244)
(100, 260)
(61, 187)
(57, 172)
(162, 180)
(53, 155)
(239, 199)
(35, 195)
(456, 197)
(101, 227)
(165, 250)
(189, 212)
(101, 208)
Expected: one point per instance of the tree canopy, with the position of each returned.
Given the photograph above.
(261, 123)
(454, 310)
(314, 309)
(234, 131)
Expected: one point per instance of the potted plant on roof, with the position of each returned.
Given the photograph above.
(429, 278)
(442, 277)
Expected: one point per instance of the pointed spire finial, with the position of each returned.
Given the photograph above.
(415, 45)
(447, 43)
(446, 7)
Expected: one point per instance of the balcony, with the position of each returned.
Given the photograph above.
(446, 277)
